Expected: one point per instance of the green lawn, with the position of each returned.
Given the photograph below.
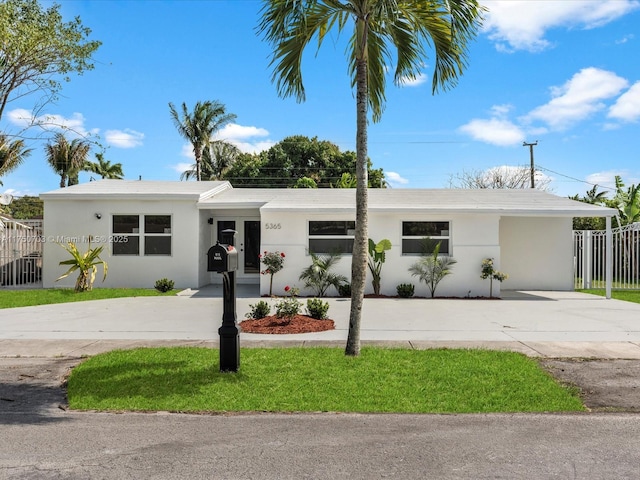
(187, 379)
(626, 295)
(27, 298)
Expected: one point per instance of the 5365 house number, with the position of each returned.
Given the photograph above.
(272, 226)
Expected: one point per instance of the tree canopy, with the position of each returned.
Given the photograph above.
(38, 50)
(25, 208)
(295, 158)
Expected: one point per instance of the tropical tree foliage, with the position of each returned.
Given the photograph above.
(217, 158)
(67, 158)
(12, 154)
(25, 208)
(199, 126)
(298, 157)
(627, 202)
(38, 50)
(594, 198)
(376, 27)
(104, 168)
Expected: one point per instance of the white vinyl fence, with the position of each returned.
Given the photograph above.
(589, 255)
(20, 252)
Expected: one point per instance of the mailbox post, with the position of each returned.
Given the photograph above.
(223, 258)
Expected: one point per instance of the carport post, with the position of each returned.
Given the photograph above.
(609, 266)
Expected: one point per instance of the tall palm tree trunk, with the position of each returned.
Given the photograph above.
(360, 244)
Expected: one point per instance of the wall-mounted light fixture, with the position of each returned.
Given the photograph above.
(210, 221)
(98, 216)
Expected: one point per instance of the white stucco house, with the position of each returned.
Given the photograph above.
(154, 229)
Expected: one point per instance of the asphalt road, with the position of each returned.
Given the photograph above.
(39, 439)
(319, 446)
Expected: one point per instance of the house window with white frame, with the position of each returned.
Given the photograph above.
(331, 236)
(419, 238)
(141, 235)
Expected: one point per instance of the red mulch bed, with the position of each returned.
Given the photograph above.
(297, 324)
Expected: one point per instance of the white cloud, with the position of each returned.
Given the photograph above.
(627, 107)
(578, 98)
(126, 138)
(253, 147)
(625, 39)
(496, 131)
(74, 125)
(413, 82)
(182, 167)
(522, 24)
(243, 137)
(395, 179)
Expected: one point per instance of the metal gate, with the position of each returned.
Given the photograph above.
(589, 255)
(20, 252)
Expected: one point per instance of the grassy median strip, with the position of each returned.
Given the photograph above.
(626, 295)
(29, 298)
(187, 379)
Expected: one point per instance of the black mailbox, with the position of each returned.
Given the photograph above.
(222, 258)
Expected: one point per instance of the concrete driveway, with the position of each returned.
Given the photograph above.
(551, 324)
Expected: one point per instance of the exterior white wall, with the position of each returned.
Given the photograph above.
(76, 220)
(472, 239)
(537, 253)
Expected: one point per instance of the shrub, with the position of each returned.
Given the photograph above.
(318, 275)
(317, 309)
(405, 290)
(288, 307)
(376, 259)
(164, 285)
(344, 290)
(259, 310)
(87, 264)
(431, 268)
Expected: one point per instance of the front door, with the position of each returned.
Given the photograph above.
(247, 242)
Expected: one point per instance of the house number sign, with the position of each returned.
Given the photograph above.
(272, 226)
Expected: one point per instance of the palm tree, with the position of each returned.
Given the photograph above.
(199, 126)
(377, 26)
(104, 168)
(67, 158)
(12, 154)
(216, 160)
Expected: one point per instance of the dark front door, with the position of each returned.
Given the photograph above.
(247, 242)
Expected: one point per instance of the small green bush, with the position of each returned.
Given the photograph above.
(259, 310)
(405, 290)
(288, 307)
(317, 309)
(164, 285)
(344, 290)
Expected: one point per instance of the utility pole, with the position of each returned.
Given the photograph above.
(533, 170)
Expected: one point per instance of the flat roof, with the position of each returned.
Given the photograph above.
(137, 189)
(446, 201)
(221, 195)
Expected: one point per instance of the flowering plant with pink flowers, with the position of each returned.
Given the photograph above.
(274, 262)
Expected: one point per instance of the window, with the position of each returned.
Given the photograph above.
(331, 236)
(422, 237)
(155, 234)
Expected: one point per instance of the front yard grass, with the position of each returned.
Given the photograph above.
(28, 298)
(626, 295)
(187, 379)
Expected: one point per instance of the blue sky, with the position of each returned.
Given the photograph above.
(563, 73)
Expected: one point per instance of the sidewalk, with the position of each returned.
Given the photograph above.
(547, 324)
